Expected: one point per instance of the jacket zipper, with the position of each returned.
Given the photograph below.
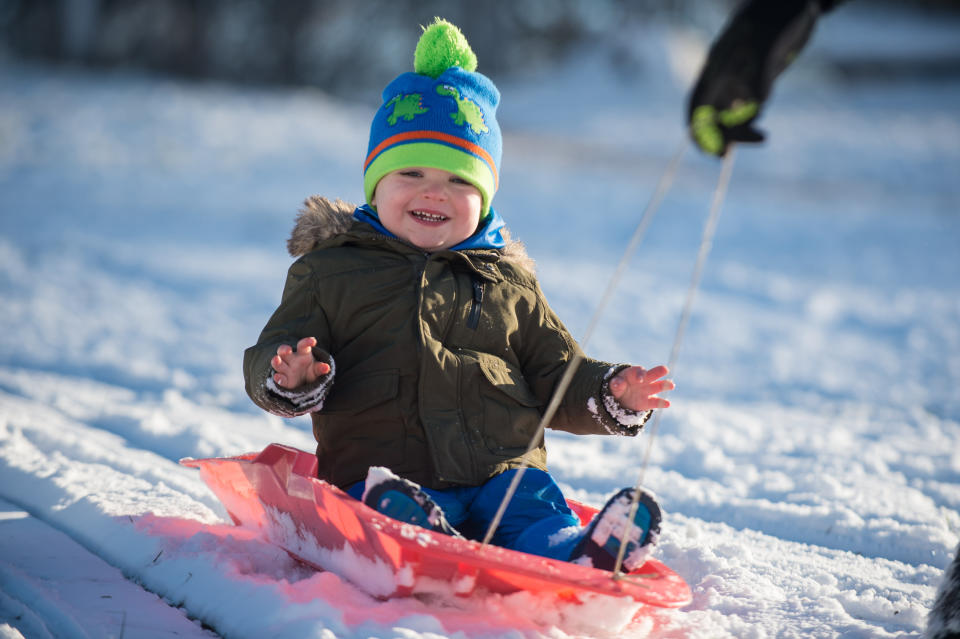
(473, 320)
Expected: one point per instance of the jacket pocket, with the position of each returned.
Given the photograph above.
(510, 410)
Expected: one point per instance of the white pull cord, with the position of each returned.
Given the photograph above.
(663, 186)
(706, 243)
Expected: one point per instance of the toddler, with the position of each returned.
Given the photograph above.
(414, 332)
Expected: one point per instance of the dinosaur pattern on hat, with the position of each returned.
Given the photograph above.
(467, 110)
(406, 106)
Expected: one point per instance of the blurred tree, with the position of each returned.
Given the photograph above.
(338, 45)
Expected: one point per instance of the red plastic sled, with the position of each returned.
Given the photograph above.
(277, 491)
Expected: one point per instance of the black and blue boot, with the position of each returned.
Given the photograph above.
(605, 533)
(403, 500)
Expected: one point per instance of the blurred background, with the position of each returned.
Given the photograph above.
(343, 45)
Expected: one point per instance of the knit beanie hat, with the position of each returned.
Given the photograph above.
(441, 116)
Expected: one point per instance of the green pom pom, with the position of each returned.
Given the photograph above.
(442, 46)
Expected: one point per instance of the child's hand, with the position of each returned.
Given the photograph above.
(636, 388)
(295, 368)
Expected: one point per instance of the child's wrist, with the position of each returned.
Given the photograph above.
(629, 421)
(307, 397)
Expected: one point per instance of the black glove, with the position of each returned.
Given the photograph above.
(759, 42)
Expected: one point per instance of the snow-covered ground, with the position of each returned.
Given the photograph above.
(810, 466)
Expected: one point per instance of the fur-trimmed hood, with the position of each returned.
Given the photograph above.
(321, 219)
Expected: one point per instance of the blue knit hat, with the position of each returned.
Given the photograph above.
(442, 116)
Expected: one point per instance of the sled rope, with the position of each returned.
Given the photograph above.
(706, 243)
(663, 187)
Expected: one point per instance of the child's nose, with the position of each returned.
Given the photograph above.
(436, 189)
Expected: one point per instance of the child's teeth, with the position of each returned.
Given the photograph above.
(429, 216)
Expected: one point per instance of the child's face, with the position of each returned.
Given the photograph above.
(432, 209)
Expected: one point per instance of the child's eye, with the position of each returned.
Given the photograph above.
(411, 173)
(458, 180)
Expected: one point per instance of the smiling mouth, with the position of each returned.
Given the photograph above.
(429, 217)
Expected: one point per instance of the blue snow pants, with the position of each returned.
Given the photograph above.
(537, 520)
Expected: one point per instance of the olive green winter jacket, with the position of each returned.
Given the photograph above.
(442, 362)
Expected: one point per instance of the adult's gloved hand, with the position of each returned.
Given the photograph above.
(713, 129)
(758, 43)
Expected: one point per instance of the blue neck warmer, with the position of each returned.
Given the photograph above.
(487, 236)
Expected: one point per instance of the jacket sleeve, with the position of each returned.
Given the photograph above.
(760, 40)
(299, 315)
(587, 407)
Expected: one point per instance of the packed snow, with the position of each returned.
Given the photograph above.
(809, 468)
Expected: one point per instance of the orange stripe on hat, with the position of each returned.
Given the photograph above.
(436, 135)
